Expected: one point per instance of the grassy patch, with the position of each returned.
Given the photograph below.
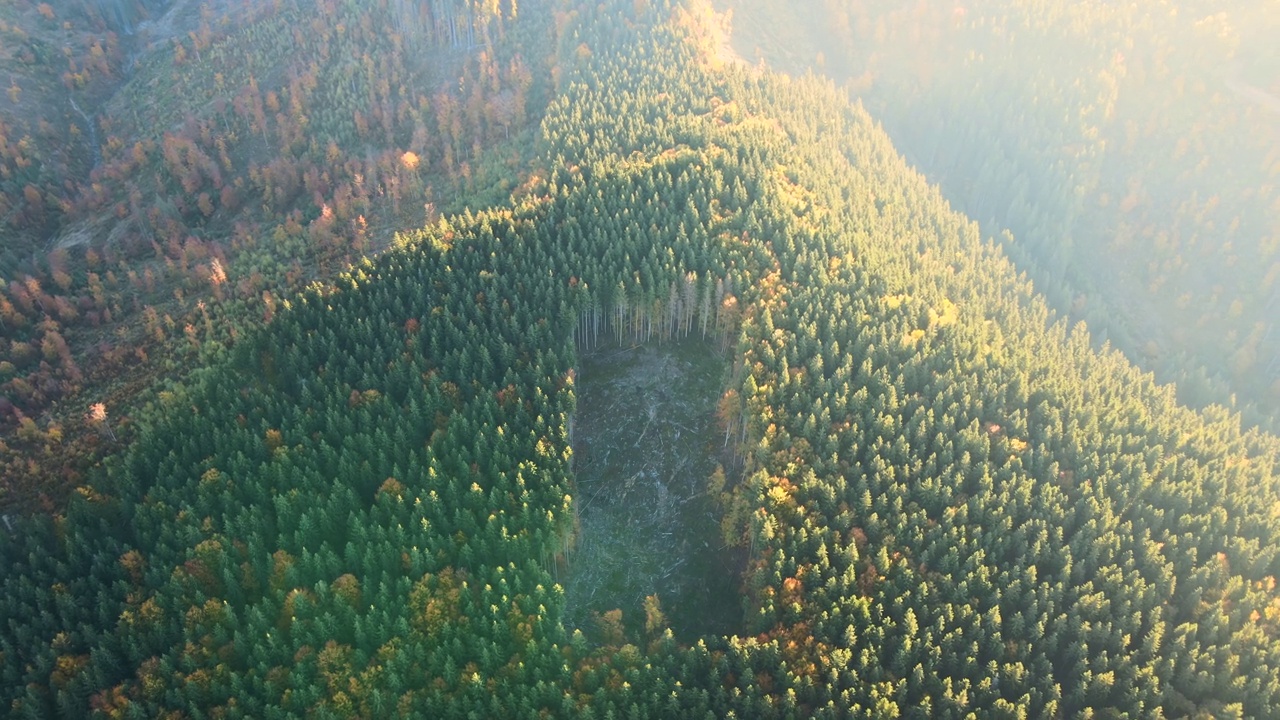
(645, 443)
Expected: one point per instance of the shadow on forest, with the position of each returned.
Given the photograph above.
(645, 442)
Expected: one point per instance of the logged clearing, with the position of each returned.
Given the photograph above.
(645, 443)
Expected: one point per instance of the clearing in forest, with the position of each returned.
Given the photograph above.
(645, 442)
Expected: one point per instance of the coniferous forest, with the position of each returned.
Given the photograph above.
(1130, 149)
(352, 489)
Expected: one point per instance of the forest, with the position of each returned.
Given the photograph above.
(355, 484)
(1130, 150)
(174, 185)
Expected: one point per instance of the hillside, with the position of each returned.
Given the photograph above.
(240, 153)
(62, 63)
(1132, 150)
(948, 501)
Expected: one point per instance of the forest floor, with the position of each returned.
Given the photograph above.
(645, 442)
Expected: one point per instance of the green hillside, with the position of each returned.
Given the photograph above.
(234, 154)
(1132, 149)
(946, 502)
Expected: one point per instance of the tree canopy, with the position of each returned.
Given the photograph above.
(952, 503)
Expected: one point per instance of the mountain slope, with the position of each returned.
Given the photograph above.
(266, 147)
(951, 502)
(1131, 149)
